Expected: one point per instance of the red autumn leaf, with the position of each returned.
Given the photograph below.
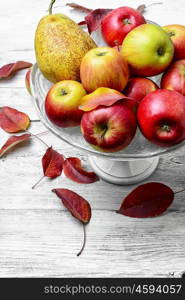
(102, 96)
(13, 141)
(10, 69)
(147, 200)
(77, 205)
(73, 170)
(94, 18)
(12, 120)
(27, 81)
(52, 163)
(141, 8)
(79, 7)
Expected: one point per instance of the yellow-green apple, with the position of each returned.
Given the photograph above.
(109, 129)
(148, 50)
(138, 87)
(174, 77)
(104, 67)
(117, 23)
(62, 102)
(161, 117)
(177, 34)
(27, 81)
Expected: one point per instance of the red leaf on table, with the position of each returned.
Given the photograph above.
(73, 170)
(94, 18)
(52, 163)
(12, 120)
(13, 141)
(77, 205)
(10, 69)
(147, 200)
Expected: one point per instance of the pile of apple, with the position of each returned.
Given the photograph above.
(115, 95)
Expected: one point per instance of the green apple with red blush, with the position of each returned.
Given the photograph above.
(148, 50)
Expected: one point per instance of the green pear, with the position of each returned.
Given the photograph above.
(60, 45)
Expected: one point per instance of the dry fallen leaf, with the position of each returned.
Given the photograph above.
(12, 120)
(73, 170)
(12, 142)
(10, 69)
(52, 163)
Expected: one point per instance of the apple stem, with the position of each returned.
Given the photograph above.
(34, 186)
(84, 241)
(51, 6)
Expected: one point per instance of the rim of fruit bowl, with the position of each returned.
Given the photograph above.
(57, 131)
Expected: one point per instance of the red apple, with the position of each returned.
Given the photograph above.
(174, 77)
(104, 67)
(27, 81)
(109, 129)
(148, 50)
(62, 102)
(161, 117)
(137, 88)
(116, 24)
(177, 35)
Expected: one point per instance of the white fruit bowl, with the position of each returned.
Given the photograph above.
(131, 165)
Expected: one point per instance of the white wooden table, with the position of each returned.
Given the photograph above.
(38, 237)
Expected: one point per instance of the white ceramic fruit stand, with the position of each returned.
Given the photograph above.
(131, 165)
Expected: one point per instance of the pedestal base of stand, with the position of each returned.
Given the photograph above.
(123, 172)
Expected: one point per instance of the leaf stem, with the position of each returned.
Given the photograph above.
(84, 241)
(34, 186)
(51, 6)
(155, 3)
(38, 138)
(179, 191)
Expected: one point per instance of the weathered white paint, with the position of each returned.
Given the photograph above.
(38, 237)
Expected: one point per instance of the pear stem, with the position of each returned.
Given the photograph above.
(51, 6)
(84, 242)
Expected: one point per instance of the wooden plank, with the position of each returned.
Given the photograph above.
(38, 237)
(18, 97)
(45, 243)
